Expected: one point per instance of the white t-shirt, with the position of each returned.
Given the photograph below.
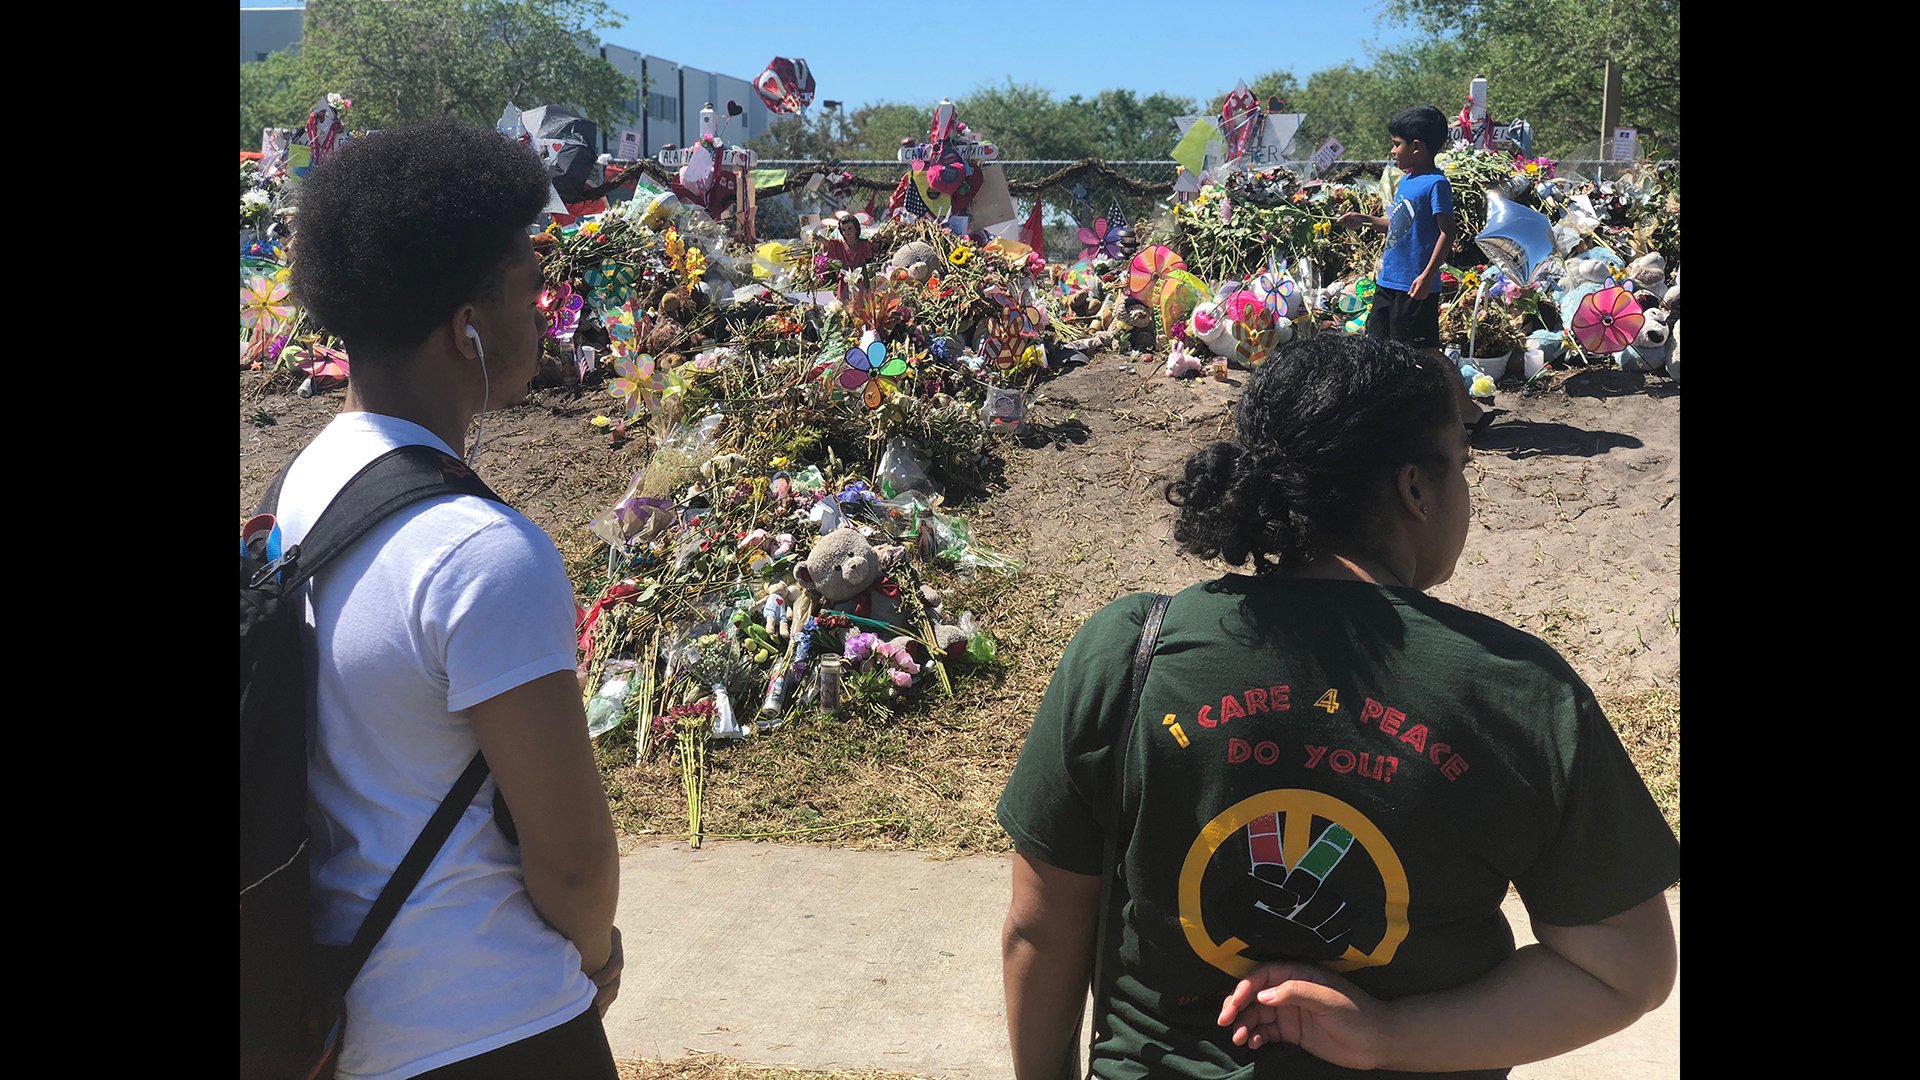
(445, 604)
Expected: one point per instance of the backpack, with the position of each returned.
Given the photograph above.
(292, 990)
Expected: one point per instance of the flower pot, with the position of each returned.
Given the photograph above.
(1493, 367)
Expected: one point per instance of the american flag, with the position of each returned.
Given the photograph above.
(1116, 217)
(914, 205)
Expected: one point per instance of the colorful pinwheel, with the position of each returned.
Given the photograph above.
(1078, 276)
(1276, 290)
(263, 304)
(1179, 295)
(326, 367)
(620, 323)
(1253, 337)
(562, 307)
(1100, 241)
(1027, 321)
(996, 348)
(1150, 268)
(872, 371)
(638, 382)
(611, 283)
(1607, 321)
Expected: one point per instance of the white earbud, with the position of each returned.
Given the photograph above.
(486, 388)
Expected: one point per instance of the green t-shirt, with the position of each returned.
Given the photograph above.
(1331, 771)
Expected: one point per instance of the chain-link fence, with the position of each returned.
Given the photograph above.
(1075, 194)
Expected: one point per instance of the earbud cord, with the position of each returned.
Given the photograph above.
(486, 388)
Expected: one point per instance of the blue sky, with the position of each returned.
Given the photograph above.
(864, 51)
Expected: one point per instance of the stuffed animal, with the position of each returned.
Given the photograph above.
(1647, 277)
(1672, 307)
(1137, 318)
(917, 258)
(843, 570)
(773, 607)
(1180, 362)
(1208, 326)
(950, 638)
(1585, 274)
(1648, 353)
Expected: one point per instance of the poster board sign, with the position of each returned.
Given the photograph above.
(1626, 142)
(1328, 153)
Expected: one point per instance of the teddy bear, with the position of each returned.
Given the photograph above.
(1585, 274)
(1648, 353)
(1647, 277)
(949, 637)
(844, 571)
(1136, 321)
(917, 258)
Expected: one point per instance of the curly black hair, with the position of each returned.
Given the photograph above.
(1323, 426)
(401, 228)
(1423, 122)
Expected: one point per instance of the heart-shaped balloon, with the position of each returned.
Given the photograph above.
(733, 108)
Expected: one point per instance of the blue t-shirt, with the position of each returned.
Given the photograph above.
(1411, 229)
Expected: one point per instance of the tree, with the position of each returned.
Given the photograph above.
(1545, 62)
(402, 63)
(271, 96)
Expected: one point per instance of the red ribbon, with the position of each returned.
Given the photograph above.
(618, 591)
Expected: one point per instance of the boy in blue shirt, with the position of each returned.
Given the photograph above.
(1420, 234)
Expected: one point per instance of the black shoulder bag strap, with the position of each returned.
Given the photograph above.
(1110, 859)
(395, 479)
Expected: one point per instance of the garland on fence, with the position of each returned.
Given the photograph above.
(798, 177)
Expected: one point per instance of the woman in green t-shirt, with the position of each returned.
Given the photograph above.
(1331, 782)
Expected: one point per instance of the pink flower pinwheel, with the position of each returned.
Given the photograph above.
(263, 303)
(1607, 321)
(1100, 241)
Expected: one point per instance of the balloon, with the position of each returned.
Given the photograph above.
(1518, 239)
(786, 85)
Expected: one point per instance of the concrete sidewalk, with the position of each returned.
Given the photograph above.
(826, 958)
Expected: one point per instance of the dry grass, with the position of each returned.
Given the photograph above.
(925, 779)
(1649, 725)
(696, 1066)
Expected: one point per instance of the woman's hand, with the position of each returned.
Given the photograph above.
(1301, 1004)
(606, 981)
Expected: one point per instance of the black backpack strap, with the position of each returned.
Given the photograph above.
(1110, 858)
(395, 479)
(412, 868)
(389, 482)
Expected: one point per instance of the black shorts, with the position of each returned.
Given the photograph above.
(1399, 317)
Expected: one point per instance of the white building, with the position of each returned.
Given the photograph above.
(266, 30)
(675, 94)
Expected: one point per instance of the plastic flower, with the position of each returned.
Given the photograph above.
(860, 646)
(263, 303)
